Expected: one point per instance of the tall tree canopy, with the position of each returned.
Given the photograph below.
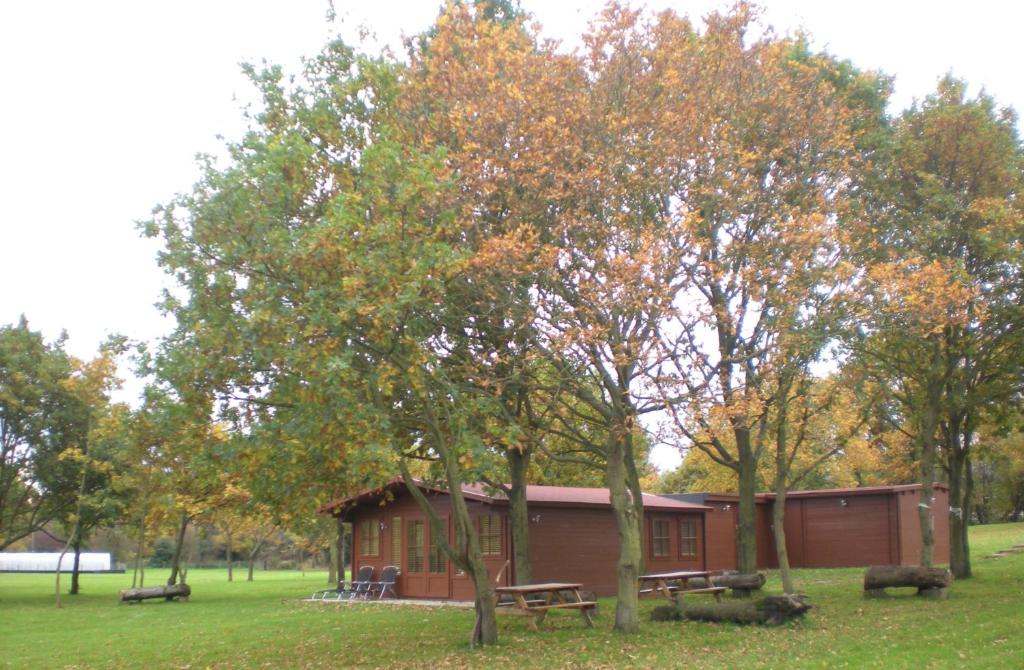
(943, 311)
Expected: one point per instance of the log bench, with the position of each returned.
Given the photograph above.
(930, 582)
(168, 592)
(741, 585)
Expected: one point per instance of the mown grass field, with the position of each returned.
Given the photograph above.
(263, 625)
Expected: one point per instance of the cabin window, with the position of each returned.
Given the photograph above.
(369, 538)
(396, 540)
(659, 538)
(414, 550)
(688, 539)
(490, 535)
(438, 563)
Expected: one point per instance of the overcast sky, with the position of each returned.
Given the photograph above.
(105, 104)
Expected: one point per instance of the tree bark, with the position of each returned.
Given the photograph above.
(138, 553)
(252, 557)
(746, 530)
(885, 576)
(332, 562)
(958, 441)
(74, 530)
(75, 566)
(341, 549)
(779, 530)
(629, 524)
(170, 591)
(139, 568)
(519, 515)
(925, 448)
(230, 556)
(179, 542)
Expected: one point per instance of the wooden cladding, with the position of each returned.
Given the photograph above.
(369, 538)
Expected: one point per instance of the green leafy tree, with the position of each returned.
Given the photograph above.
(31, 393)
(945, 255)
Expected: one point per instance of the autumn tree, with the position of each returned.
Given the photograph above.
(944, 254)
(759, 184)
(322, 270)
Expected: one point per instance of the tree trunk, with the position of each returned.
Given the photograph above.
(925, 448)
(332, 563)
(629, 525)
(60, 561)
(179, 542)
(958, 445)
(168, 592)
(967, 506)
(230, 555)
(485, 631)
(139, 568)
(465, 551)
(519, 515)
(781, 478)
(746, 530)
(74, 531)
(341, 549)
(139, 549)
(252, 559)
(76, 565)
(779, 529)
(885, 576)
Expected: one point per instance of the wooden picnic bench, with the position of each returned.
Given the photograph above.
(552, 595)
(674, 585)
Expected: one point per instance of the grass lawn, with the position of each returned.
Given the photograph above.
(262, 625)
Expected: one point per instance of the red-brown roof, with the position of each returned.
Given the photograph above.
(550, 496)
(824, 493)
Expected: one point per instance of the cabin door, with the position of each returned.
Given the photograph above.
(438, 578)
(426, 567)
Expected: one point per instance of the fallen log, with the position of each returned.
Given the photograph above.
(930, 582)
(168, 592)
(768, 611)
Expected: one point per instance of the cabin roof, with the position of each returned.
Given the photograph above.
(544, 496)
(706, 497)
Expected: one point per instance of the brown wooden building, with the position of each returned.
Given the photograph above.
(572, 537)
(831, 528)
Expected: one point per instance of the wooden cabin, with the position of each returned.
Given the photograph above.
(833, 528)
(572, 536)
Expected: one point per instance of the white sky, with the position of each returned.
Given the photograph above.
(105, 104)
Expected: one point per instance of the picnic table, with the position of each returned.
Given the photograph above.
(661, 583)
(535, 600)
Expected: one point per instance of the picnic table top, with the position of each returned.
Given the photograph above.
(678, 574)
(531, 588)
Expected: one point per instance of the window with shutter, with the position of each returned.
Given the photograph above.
(490, 534)
(688, 539)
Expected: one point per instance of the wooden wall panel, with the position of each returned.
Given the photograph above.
(910, 527)
(854, 534)
(721, 536)
(581, 545)
(766, 556)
